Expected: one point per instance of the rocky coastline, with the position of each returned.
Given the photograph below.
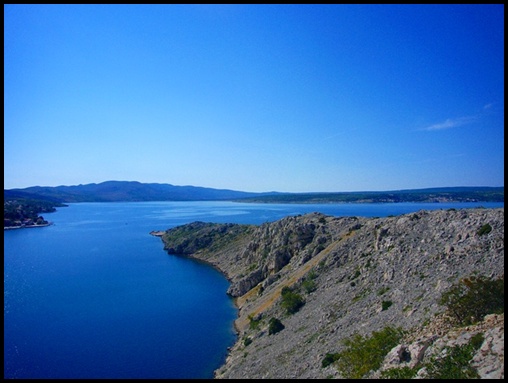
(356, 275)
(27, 226)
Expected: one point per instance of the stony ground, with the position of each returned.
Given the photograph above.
(356, 275)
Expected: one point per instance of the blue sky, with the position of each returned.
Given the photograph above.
(292, 98)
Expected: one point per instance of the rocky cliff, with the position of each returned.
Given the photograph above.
(351, 276)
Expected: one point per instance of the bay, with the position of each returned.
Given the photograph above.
(95, 296)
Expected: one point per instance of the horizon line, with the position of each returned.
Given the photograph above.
(272, 191)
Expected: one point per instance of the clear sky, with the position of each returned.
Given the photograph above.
(291, 98)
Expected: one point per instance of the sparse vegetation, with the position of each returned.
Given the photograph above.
(309, 283)
(399, 373)
(469, 300)
(455, 364)
(355, 227)
(356, 274)
(329, 359)
(415, 217)
(291, 301)
(254, 323)
(202, 236)
(361, 295)
(485, 229)
(274, 326)
(385, 305)
(363, 354)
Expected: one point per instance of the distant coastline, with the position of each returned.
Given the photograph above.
(27, 226)
(432, 195)
(23, 206)
(127, 191)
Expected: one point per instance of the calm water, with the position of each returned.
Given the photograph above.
(95, 296)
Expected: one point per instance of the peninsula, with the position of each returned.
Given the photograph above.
(22, 213)
(313, 290)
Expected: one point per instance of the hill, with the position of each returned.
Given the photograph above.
(306, 285)
(130, 191)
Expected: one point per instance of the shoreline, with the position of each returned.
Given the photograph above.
(234, 299)
(27, 226)
(235, 303)
(160, 233)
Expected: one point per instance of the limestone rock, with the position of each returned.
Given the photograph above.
(355, 275)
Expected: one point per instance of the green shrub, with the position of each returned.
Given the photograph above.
(291, 301)
(309, 285)
(385, 305)
(399, 373)
(477, 340)
(329, 359)
(469, 300)
(485, 229)
(253, 323)
(455, 364)
(274, 326)
(247, 341)
(364, 354)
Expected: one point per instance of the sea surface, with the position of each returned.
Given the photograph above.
(94, 295)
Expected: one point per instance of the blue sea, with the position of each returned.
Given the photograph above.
(96, 296)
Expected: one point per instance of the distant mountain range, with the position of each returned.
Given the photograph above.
(130, 191)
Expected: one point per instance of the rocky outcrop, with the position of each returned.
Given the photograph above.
(355, 275)
(439, 338)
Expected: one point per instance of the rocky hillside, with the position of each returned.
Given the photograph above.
(325, 279)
